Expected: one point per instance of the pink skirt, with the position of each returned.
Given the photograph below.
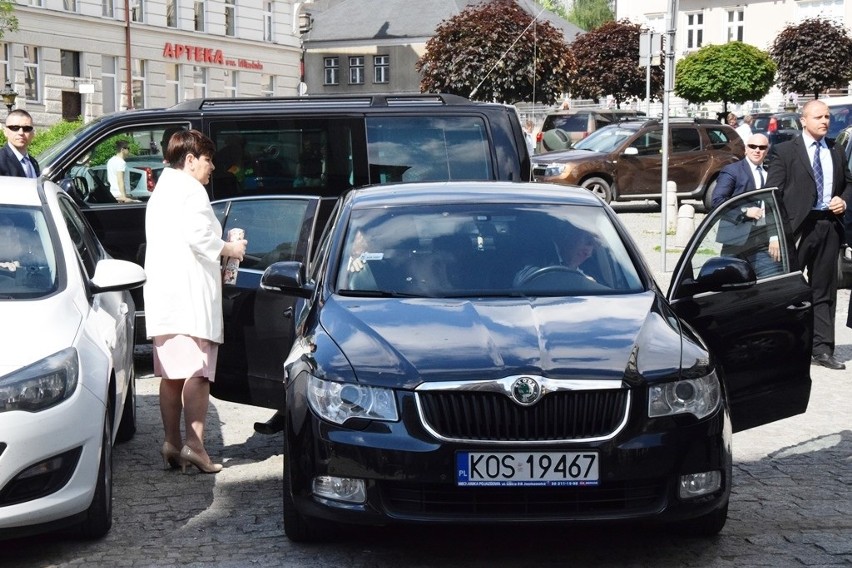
(184, 357)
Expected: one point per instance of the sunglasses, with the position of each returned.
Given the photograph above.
(757, 146)
(16, 127)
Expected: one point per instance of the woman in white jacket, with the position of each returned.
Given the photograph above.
(183, 294)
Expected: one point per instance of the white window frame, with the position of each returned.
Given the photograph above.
(381, 69)
(139, 83)
(174, 83)
(200, 15)
(828, 9)
(356, 70)
(172, 10)
(39, 3)
(267, 85)
(137, 11)
(232, 77)
(735, 24)
(4, 65)
(331, 71)
(109, 83)
(108, 8)
(71, 6)
(694, 30)
(32, 74)
(200, 77)
(268, 21)
(230, 18)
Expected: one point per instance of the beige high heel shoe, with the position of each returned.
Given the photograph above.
(171, 456)
(187, 456)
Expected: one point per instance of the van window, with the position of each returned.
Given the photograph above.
(408, 149)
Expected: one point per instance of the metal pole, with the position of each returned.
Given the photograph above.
(128, 76)
(667, 88)
(648, 85)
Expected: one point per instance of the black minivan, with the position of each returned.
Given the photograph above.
(280, 164)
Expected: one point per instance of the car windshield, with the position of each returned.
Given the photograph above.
(841, 117)
(605, 139)
(484, 250)
(27, 259)
(567, 122)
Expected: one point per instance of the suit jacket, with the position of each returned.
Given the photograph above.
(11, 166)
(733, 180)
(793, 173)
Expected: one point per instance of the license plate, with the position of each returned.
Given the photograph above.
(526, 468)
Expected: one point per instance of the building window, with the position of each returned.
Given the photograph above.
(331, 75)
(69, 63)
(32, 88)
(356, 70)
(735, 24)
(231, 78)
(828, 9)
(36, 2)
(694, 31)
(199, 82)
(172, 13)
(200, 16)
(138, 87)
(381, 68)
(267, 85)
(4, 65)
(70, 5)
(267, 21)
(137, 11)
(173, 84)
(109, 73)
(230, 18)
(108, 8)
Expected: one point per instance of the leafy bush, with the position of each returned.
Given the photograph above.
(44, 139)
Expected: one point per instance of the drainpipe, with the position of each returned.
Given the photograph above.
(128, 79)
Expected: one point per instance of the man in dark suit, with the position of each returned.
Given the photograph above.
(816, 186)
(746, 234)
(14, 157)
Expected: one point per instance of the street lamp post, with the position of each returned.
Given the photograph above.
(8, 95)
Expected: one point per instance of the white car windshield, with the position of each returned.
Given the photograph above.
(484, 250)
(27, 259)
(605, 139)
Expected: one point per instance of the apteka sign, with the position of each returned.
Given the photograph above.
(198, 54)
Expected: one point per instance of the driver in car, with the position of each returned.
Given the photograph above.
(573, 247)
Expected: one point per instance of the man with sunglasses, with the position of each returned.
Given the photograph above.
(816, 185)
(747, 235)
(14, 157)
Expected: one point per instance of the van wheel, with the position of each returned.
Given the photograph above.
(708, 196)
(599, 186)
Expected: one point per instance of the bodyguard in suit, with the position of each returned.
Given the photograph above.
(816, 186)
(745, 233)
(14, 157)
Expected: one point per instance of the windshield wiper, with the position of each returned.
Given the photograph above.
(376, 294)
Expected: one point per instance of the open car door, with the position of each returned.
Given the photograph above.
(760, 330)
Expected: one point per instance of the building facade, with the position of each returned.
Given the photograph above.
(84, 58)
(756, 22)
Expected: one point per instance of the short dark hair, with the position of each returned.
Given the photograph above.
(122, 145)
(167, 135)
(188, 142)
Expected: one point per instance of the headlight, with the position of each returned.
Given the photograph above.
(550, 170)
(338, 402)
(700, 397)
(42, 384)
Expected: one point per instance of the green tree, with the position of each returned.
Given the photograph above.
(590, 14)
(494, 52)
(554, 6)
(8, 21)
(812, 56)
(732, 72)
(608, 64)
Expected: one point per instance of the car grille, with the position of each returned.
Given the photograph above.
(405, 499)
(494, 417)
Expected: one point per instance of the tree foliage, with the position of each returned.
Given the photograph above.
(8, 21)
(554, 6)
(590, 14)
(608, 64)
(732, 72)
(812, 56)
(491, 52)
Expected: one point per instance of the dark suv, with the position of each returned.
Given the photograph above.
(624, 161)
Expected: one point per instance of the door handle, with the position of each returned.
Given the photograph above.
(123, 309)
(288, 313)
(803, 306)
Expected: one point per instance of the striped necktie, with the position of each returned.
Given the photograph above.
(28, 167)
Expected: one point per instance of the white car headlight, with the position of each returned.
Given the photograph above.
(700, 397)
(552, 169)
(338, 402)
(41, 385)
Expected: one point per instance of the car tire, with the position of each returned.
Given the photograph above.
(599, 186)
(708, 196)
(704, 526)
(98, 519)
(297, 527)
(127, 426)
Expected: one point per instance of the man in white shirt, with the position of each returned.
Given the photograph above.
(116, 166)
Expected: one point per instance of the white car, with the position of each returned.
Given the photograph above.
(67, 383)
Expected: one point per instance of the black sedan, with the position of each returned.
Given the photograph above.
(499, 353)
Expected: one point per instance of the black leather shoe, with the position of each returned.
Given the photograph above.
(271, 426)
(828, 361)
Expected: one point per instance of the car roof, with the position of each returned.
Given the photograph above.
(490, 192)
(19, 191)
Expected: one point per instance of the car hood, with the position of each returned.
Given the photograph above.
(565, 156)
(34, 329)
(401, 343)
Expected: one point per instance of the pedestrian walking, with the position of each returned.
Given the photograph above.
(14, 156)
(183, 295)
(816, 185)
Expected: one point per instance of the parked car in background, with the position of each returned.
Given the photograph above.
(623, 161)
(841, 116)
(777, 127)
(844, 262)
(562, 129)
(485, 352)
(67, 383)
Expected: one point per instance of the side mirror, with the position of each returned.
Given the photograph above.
(725, 273)
(113, 274)
(631, 151)
(287, 278)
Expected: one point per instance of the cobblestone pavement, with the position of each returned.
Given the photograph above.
(791, 502)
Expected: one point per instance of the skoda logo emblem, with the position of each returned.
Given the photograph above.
(526, 391)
